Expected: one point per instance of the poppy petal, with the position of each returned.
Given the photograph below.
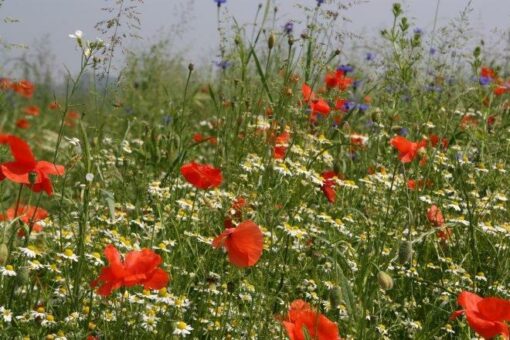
(158, 280)
(245, 244)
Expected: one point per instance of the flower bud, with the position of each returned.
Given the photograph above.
(4, 253)
(271, 41)
(191, 67)
(23, 275)
(385, 281)
(335, 297)
(405, 252)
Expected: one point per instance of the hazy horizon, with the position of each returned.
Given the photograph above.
(50, 22)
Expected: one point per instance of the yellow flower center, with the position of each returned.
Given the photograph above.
(181, 325)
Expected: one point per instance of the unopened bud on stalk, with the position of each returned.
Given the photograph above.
(191, 67)
(23, 275)
(4, 253)
(335, 297)
(385, 280)
(337, 52)
(405, 252)
(271, 41)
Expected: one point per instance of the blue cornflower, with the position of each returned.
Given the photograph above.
(369, 123)
(362, 107)
(356, 84)
(288, 27)
(432, 51)
(167, 119)
(485, 81)
(418, 31)
(320, 2)
(369, 56)
(223, 64)
(345, 68)
(220, 2)
(434, 88)
(403, 132)
(348, 106)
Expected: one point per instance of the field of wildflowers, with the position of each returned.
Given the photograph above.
(297, 191)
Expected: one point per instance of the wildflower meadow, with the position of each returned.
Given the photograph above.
(292, 187)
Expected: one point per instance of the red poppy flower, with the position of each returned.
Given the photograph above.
(435, 216)
(25, 166)
(301, 317)
(71, 117)
(235, 212)
(328, 185)
(27, 214)
(468, 121)
(418, 184)
(338, 79)
(317, 106)
(24, 88)
(23, 123)
(434, 141)
(487, 72)
(281, 145)
(500, 90)
(485, 316)
(198, 138)
(32, 110)
(139, 268)
(53, 105)
(244, 244)
(5, 83)
(407, 150)
(202, 176)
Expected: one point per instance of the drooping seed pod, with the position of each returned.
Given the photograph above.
(385, 281)
(405, 252)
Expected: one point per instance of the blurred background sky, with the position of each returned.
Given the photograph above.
(49, 22)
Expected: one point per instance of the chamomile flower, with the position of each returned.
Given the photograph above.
(8, 270)
(69, 255)
(182, 329)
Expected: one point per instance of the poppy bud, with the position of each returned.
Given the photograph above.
(376, 116)
(32, 176)
(4, 253)
(237, 40)
(385, 280)
(23, 275)
(335, 297)
(191, 67)
(405, 252)
(337, 52)
(271, 41)
(336, 167)
(231, 286)
(397, 9)
(290, 41)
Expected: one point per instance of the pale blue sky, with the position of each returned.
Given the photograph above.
(55, 19)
